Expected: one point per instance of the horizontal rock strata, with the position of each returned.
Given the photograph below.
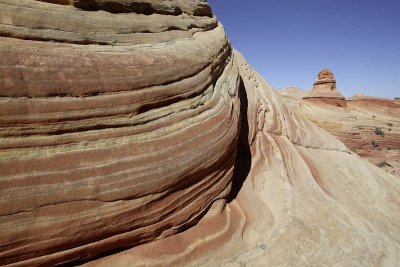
(324, 89)
(304, 199)
(368, 126)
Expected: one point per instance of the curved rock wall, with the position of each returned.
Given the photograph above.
(108, 145)
(304, 199)
(37, 20)
(133, 125)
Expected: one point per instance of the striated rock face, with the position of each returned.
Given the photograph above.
(121, 130)
(132, 134)
(368, 126)
(104, 21)
(325, 87)
(303, 198)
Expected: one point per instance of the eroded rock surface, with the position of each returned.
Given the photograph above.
(133, 126)
(106, 146)
(305, 199)
(368, 126)
(325, 88)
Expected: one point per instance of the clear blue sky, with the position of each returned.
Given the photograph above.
(290, 41)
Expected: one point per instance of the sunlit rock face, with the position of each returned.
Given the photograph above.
(117, 127)
(325, 88)
(132, 134)
(303, 197)
(368, 126)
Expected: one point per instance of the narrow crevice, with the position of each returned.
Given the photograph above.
(115, 7)
(243, 156)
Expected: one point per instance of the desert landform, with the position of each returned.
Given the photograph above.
(132, 133)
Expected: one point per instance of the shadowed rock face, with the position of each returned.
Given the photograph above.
(146, 7)
(133, 125)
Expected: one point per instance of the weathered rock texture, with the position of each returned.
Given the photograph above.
(110, 146)
(325, 88)
(368, 126)
(133, 125)
(305, 199)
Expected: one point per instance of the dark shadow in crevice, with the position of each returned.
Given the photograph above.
(116, 7)
(243, 156)
(241, 171)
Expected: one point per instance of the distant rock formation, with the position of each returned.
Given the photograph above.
(369, 126)
(134, 125)
(361, 96)
(325, 86)
(292, 91)
(324, 90)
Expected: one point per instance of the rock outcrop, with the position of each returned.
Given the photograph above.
(300, 184)
(368, 126)
(121, 130)
(131, 133)
(325, 89)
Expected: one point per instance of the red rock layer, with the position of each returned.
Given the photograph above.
(325, 88)
(368, 126)
(107, 147)
(144, 131)
(304, 199)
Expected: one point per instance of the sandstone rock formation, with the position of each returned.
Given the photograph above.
(368, 126)
(120, 131)
(292, 92)
(133, 125)
(305, 200)
(325, 88)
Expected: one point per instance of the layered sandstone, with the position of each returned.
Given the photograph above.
(325, 88)
(304, 199)
(133, 125)
(121, 130)
(368, 126)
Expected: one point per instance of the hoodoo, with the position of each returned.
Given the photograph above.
(325, 89)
